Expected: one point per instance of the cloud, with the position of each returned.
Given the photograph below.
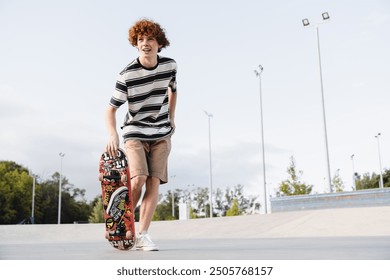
(377, 18)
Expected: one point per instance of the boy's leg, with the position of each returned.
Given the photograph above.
(136, 188)
(158, 153)
(149, 203)
(148, 164)
(135, 154)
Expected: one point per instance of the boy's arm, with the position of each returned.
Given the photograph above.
(113, 142)
(172, 97)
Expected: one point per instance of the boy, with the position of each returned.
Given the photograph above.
(148, 84)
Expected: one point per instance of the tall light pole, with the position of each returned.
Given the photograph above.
(59, 190)
(33, 197)
(353, 173)
(380, 162)
(211, 168)
(325, 17)
(258, 74)
(173, 196)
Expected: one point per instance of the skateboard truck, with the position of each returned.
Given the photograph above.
(117, 233)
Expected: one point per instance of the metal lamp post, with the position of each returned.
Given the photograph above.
(33, 197)
(258, 74)
(380, 162)
(173, 196)
(353, 173)
(211, 170)
(60, 190)
(306, 23)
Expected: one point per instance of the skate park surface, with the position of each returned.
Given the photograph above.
(327, 234)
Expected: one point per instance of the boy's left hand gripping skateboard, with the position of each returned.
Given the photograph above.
(114, 176)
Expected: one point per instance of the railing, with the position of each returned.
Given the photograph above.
(361, 198)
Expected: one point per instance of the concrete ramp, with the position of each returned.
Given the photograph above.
(373, 221)
(365, 233)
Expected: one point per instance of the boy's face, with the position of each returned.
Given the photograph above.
(147, 46)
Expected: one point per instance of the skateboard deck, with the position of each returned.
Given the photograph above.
(117, 201)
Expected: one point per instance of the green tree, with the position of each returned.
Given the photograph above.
(293, 185)
(46, 203)
(192, 213)
(226, 201)
(201, 201)
(234, 210)
(219, 204)
(16, 197)
(73, 205)
(237, 193)
(367, 181)
(15, 192)
(199, 205)
(337, 182)
(371, 181)
(386, 178)
(97, 213)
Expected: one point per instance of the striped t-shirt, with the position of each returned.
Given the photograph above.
(146, 91)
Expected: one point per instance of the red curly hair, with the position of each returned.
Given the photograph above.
(149, 28)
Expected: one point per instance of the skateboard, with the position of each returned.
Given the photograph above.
(114, 177)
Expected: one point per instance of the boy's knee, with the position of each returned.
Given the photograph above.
(138, 181)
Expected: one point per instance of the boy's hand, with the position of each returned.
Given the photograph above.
(113, 145)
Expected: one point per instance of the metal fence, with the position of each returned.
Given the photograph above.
(361, 198)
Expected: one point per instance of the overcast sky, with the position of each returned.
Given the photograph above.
(59, 61)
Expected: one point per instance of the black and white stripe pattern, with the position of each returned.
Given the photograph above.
(146, 91)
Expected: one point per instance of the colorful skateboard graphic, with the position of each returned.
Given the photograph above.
(114, 177)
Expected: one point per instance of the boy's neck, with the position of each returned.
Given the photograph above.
(148, 62)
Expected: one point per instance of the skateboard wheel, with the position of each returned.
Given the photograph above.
(100, 177)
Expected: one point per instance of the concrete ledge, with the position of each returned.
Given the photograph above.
(361, 198)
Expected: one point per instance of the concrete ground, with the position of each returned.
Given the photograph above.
(330, 234)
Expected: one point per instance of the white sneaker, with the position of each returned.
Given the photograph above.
(145, 243)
